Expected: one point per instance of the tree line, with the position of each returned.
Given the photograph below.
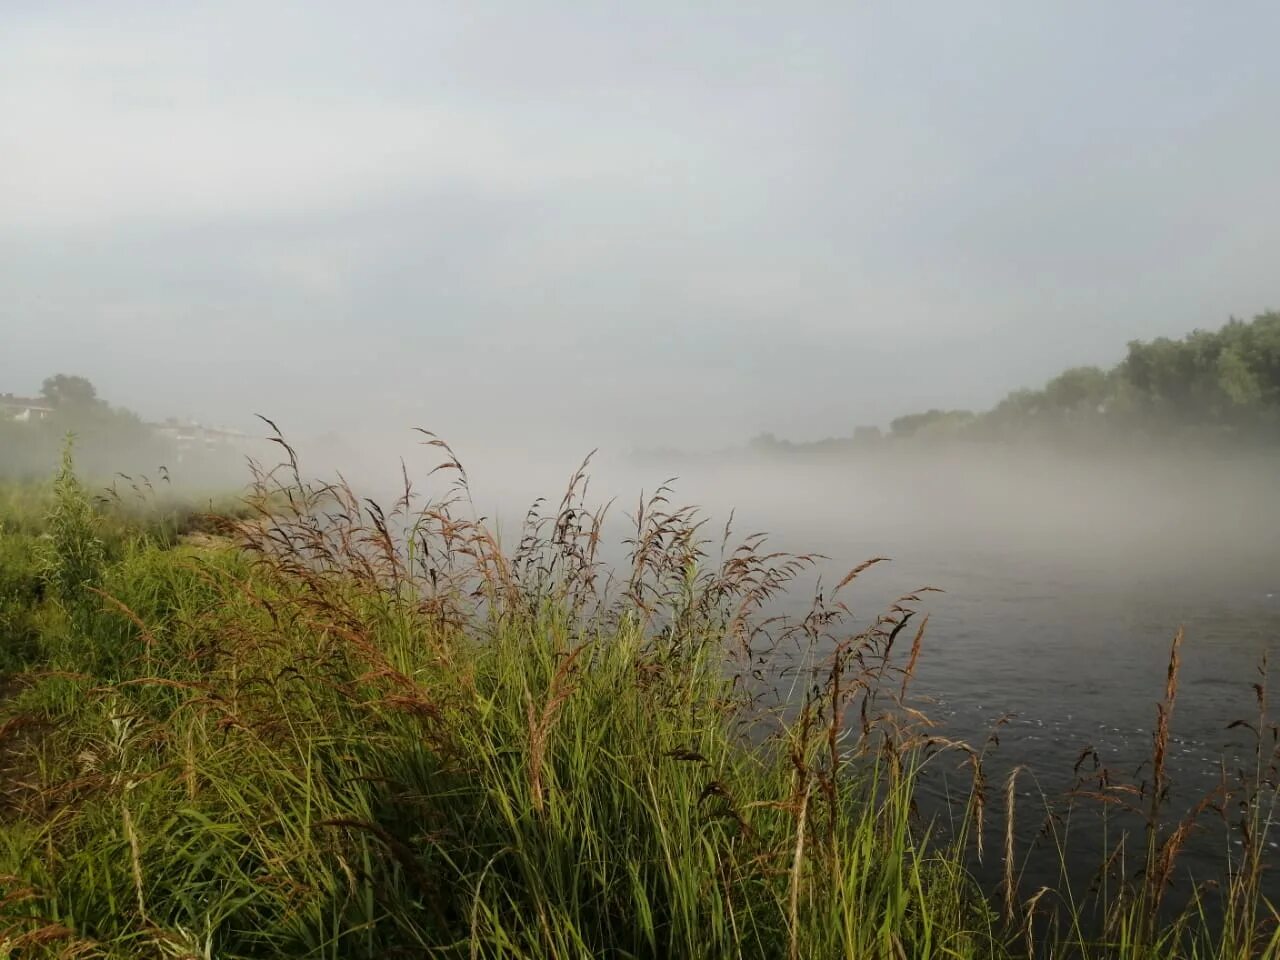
(1216, 385)
(107, 438)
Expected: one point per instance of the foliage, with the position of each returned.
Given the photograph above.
(1220, 387)
(74, 556)
(1223, 384)
(932, 423)
(21, 593)
(381, 735)
(110, 441)
(64, 391)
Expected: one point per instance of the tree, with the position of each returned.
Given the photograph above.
(1237, 382)
(64, 391)
(767, 443)
(934, 423)
(1208, 384)
(1077, 388)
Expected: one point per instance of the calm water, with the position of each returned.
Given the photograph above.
(1062, 594)
(1064, 583)
(1077, 656)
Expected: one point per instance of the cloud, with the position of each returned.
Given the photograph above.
(656, 222)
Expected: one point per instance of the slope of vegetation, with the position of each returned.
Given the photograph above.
(109, 439)
(1220, 387)
(1224, 382)
(334, 731)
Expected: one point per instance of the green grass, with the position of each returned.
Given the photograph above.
(339, 741)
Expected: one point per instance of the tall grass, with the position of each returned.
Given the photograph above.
(369, 732)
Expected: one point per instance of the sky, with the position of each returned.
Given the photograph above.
(609, 224)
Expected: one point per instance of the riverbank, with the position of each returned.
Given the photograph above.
(331, 738)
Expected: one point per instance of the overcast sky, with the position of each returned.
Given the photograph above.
(622, 223)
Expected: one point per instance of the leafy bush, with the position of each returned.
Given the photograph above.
(74, 556)
(21, 592)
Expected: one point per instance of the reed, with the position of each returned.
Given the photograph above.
(349, 730)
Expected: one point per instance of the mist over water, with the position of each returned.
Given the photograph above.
(903, 284)
(1062, 581)
(1133, 518)
(1050, 558)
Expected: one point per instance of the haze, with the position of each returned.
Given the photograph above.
(542, 230)
(802, 257)
(546, 224)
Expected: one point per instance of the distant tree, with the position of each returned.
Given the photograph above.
(1222, 383)
(69, 392)
(933, 423)
(910, 424)
(1020, 405)
(1238, 383)
(767, 443)
(1077, 389)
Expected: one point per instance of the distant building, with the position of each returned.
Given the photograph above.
(24, 409)
(189, 436)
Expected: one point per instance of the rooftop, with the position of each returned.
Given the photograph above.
(26, 403)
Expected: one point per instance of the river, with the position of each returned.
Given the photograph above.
(1063, 580)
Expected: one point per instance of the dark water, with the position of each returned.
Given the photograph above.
(1062, 594)
(1064, 583)
(1057, 656)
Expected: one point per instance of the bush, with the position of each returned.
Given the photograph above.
(74, 557)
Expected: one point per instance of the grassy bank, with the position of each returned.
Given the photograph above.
(333, 731)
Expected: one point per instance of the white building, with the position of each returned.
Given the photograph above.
(23, 409)
(187, 436)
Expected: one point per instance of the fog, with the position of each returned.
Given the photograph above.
(553, 227)
(812, 252)
(1126, 518)
(541, 229)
